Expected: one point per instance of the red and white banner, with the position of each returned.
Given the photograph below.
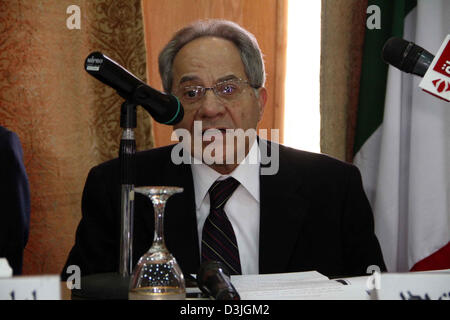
(437, 78)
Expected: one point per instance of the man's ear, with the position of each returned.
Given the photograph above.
(262, 99)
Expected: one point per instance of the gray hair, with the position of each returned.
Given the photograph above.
(245, 42)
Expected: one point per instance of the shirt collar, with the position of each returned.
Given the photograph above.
(247, 173)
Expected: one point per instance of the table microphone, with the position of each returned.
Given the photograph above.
(407, 56)
(164, 108)
(213, 278)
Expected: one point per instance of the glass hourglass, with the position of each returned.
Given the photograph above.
(157, 275)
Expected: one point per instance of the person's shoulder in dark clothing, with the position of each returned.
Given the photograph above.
(15, 199)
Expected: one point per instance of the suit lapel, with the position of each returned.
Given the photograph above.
(282, 212)
(181, 220)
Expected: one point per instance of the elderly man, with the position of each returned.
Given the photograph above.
(310, 213)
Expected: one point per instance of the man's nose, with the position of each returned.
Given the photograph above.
(211, 105)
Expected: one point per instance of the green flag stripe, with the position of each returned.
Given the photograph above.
(374, 69)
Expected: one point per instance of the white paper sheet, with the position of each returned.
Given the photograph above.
(5, 269)
(294, 286)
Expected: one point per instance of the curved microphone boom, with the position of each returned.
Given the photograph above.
(407, 56)
(213, 279)
(164, 108)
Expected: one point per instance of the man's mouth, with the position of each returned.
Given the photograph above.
(214, 134)
(214, 131)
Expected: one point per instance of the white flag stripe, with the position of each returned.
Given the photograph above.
(408, 180)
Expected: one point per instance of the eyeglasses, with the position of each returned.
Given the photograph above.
(225, 90)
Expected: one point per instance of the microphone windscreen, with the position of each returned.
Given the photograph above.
(402, 54)
(208, 269)
(393, 51)
(213, 278)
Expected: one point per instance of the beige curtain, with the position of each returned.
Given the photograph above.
(343, 26)
(266, 19)
(67, 121)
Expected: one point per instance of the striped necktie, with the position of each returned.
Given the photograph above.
(218, 238)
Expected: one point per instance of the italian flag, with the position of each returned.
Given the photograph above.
(402, 141)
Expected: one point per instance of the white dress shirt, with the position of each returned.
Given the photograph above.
(242, 208)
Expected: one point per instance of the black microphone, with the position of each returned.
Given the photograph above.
(407, 56)
(213, 278)
(164, 108)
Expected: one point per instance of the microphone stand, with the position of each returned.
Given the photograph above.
(127, 178)
(115, 285)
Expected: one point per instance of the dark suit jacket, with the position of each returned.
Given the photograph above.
(314, 216)
(14, 199)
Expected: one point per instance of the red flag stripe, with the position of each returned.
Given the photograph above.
(437, 261)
